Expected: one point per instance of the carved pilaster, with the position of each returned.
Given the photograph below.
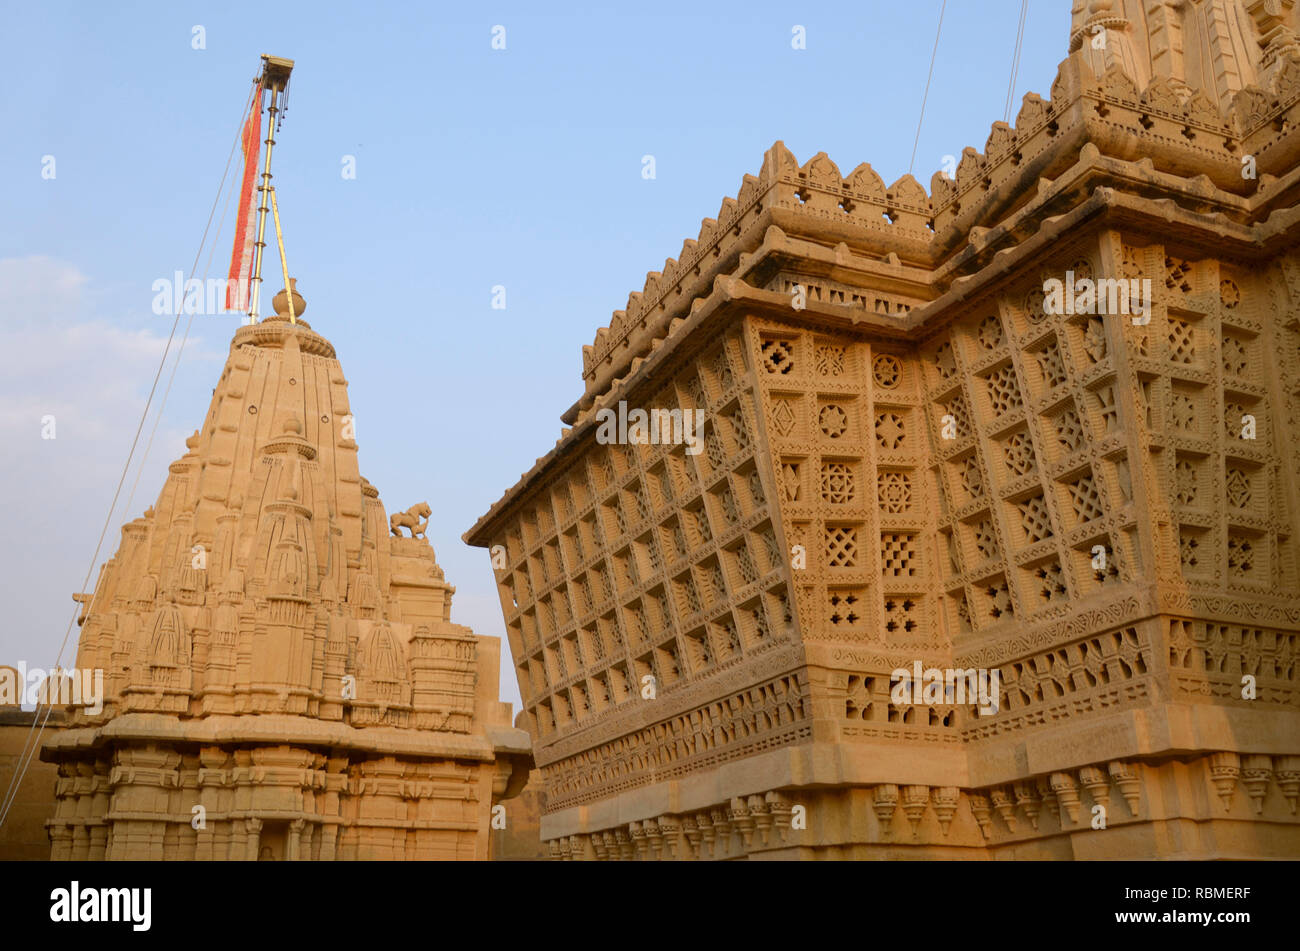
(329, 835)
(253, 827)
(60, 841)
(295, 839)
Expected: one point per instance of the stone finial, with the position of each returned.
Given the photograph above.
(945, 799)
(624, 843)
(1028, 800)
(612, 846)
(281, 301)
(654, 838)
(782, 810)
(884, 799)
(638, 835)
(979, 807)
(743, 820)
(915, 799)
(1067, 793)
(691, 832)
(1048, 796)
(1256, 771)
(670, 831)
(704, 822)
(1288, 778)
(577, 847)
(1004, 807)
(762, 817)
(1097, 782)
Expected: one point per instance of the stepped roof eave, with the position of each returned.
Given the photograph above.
(1106, 109)
(274, 333)
(1090, 169)
(275, 730)
(1249, 226)
(1214, 232)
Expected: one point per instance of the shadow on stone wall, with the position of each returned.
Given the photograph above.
(23, 836)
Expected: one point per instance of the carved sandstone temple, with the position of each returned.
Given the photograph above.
(282, 677)
(908, 457)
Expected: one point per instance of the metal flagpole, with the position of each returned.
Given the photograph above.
(284, 262)
(275, 76)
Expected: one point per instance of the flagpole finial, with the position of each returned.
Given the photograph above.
(275, 72)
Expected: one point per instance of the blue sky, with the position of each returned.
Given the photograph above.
(474, 167)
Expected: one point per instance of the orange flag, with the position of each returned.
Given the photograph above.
(241, 256)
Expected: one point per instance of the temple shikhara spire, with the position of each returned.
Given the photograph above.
(991, 547)
(282, 676)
